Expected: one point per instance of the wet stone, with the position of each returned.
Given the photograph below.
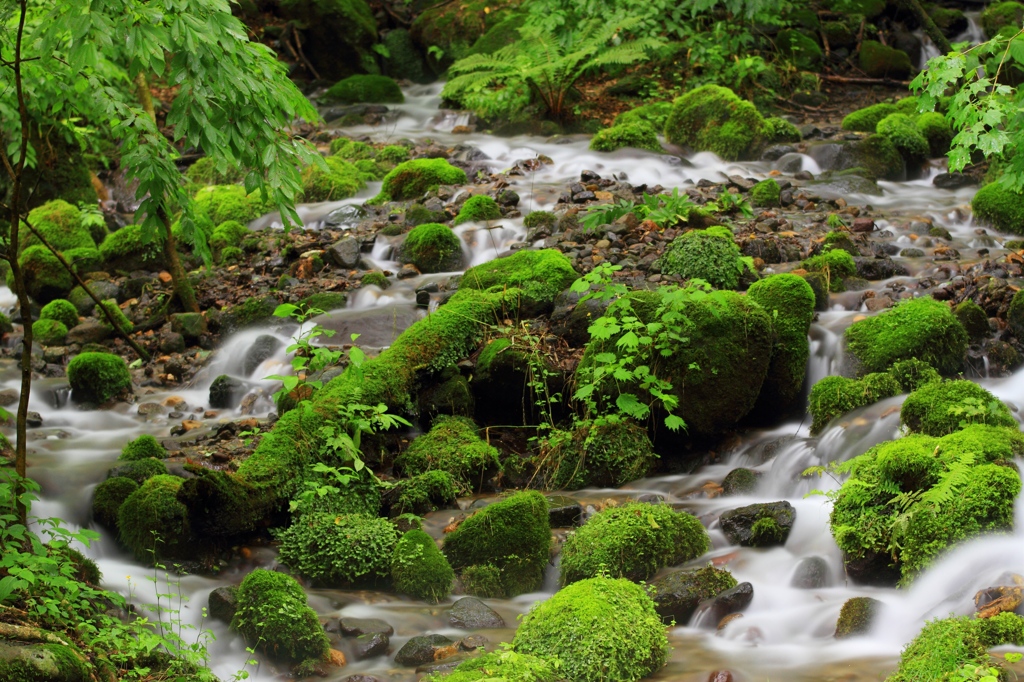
(857, 616)
(473, 642)
(354, 627)
(564, 512)
(223, 603)
(371, 644)
(420, 650)
(262, 348)
(731, 601)
(759, 525)
(470, 613)
(811, 573)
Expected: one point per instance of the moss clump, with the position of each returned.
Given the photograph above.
(765, 193)
(501, 666)
(424, 493)
(392, 154)
(857, 616)
(875, 157)
(912, 374)
(49, 332)
(60, 224)
(338, 550)
(419, 570)
(881, 61)
(98, 377)
(834, 396)
(789, 300)
(418, 214)
(128, 249)
(205, 171)
(600, 629)
(632, 541)
(654, 113)
(274, 617)
(340, 180)
(638, 135)
(901, 130)
(61, 310)
(453, 446)
(597, 453)
(973, 319)
(712, 118)
(710, 255)
(921, 328)
(939, 408)
(411, 179)
(778, 130)
(540, 219)
(1001, 14)
(139, 470)
(512, 536)
(221, 203)
(44, 276)
(351, 150)
(945, 646)
(366, 88)
(866, 120)
(541, 275)
(432, 247)
(478, 208)
(108, 498)
(230, 233)
(84, 260)
(153, 524)
(801, 49)
(122, 322)
(375, 278)
(143, 447)
(937, 131)
(1000, 207)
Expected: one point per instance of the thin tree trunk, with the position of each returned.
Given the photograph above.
(929, 26)
(182, 287)
(144, 95)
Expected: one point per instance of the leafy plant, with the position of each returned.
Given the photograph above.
(727, 202)
(309, 360)
(605, 214)
(667, 210)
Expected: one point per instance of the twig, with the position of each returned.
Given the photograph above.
(302, 55)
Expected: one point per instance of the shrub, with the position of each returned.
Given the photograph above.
(44, 276)
(339, 550)
(273, 616)
(366, 88)
(597, 453)
(710, 255)
(1000, 207)
(937, 131)
(713, 118)
(478, 208)
(108, 498)
(340, 180)
(940, 408)
(866, 120)
(944, 647)
(411, 179)
(452, 446)
(638, 135)
(765, 193)
(541, 275)
(901, 130)
(153, 524)
(789, 300)
(834, 264)
(143, 447)
(98, 377)
(921, 328)
(632, 541)
(419, 569)
(600, 629)
(512, 536)
(49, 332)
(127, 249)
(432, 247)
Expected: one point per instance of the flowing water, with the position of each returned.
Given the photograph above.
(785, 633)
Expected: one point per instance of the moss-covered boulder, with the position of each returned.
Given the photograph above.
(937, 131)
(1000, 207)
(921, 328)
(337, 35)
(339, 550)
(139, 470)
(789, 300)
(834, 396)
(834, 264)
(800, 48)
(143, 447)
(765, 193)
(98, 377)
(273, 617)
(857, 616)
(501, 666)
(432, 247)
(973, 318)
(638, 135)
(340, 180)
(22, 661)
(366, 88)
(60, 310)
(759, 525)
(710, 255)
(632, 541)
(712, 118)
(540, 275)
(128, 249)
(456, 28)
(597, 453)
(654, 113)
(60, 224)
(108, 498)
(945, 647)
(403, 59)
(902, 131)
(153, 524)
(600, 629)
(881, 61)
(210, 171)
(411, 179)
(419, 570)
(422, 494)
(874, 156)
(678, 594)
(220, 203)
(453, 446)
(866, 120)
(511, 536)
(478, 208)
(49, 332)
(940, 408)
(44, 276)
(1000, 14)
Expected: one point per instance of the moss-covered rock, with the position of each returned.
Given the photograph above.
(411, 179)
(920, 328)
(208, 171)
(866, 120)
(139, 470)
(452, 446)
(143, 447)
(419, 570)
(766, 193)
(874, 156)
(512, 536)
(937, 131)
(944, 647)
(422, 494)
(128, 249)
(678, 594)
(1000, 207)
(540, 275)
(44, 276)
(710, 255)
(49, 332)
(758, 525)
(912, 374)
(274, 617)
(60, 310)
(597, 453)
(800, 48)
(339, 550)
(903, 132)
(432, 247)
(881, 61)
(84, 260)
(340, 180)
(835, 265)
(375, 278)
(632, 541)
(638, 135)
(35, 662)
(857, 616)
(713, 118)
(1000, 14)
(108, 498)
(456, 28)
(834, 396)
(403, 60)
(98, 377)
(501, 666)
(153, 524)
(478, 208)
(778, 130)
(366, 88)
(601, 629)
(973, 318)
(789, 300)
(654, 113)
(940, 408)
(60, 224)
(220, 203)
(540, 219)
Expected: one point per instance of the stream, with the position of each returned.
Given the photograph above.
(785, 633)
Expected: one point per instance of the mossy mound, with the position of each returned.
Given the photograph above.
(60, 310)
(801, 49)
(974, 319)
(511, 537)
(638, 135)
(366, 88)
(49, 332)
(120, 320)
(789, 300)
(60, 224)
(940, 408)
(153, 524)
(419, 570)
(108, 498)
(456, 28)
(139, 470)
(273, 617)
(834, 396)
(874, 156)
(208, 171)
(411, 179)
(777, 130)
(339, 550)
(710, 255)
(597, 453)
(881, 61)
(712, 118)
(857, 616)
(424, 493)
(541, 275)
(835, 265)
(765, 193)
(44, 276)
(452, 446)
(143, 447)
(866, 120)
(403, 60)
(98, 377)
(903, 132)
(478, 208)
(84, 260)
(921, 328)
(1001, 14)
(128, 249)
(37, 662)
(944, 647)
(220, 203)
(540, 219)
(632, 541)
(601, 629)
(654, 113)
(1000, 207)
(501, 666)
(340, 180)
(432, 247)
(937, 131)
(228, 234)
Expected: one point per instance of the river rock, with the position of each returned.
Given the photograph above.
(843, 186)
(190, 325)
(733, 600)
(371, 644)
(89, 332)
(571, 319)
(953, 180)
(564, 512)
(262, 348)
(874, 569)
(223, 603)
(678, 594)
(857, 616)
(811, 573)
(172, 342)
(345, 252)
(740, 481)
(759, 525)
(361, 678)
(226, 392)
(469, 613)
(422, 649)
(8, 396)
(354, 627)
(879, 268)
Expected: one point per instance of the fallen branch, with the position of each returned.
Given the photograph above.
(23, 633)
(863, 81)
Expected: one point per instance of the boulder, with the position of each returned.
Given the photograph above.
(469, 613)
(677, 595)
(733, 600)
(423, 649)
(759, 525)
(262, 348)
(355, 627)
(345, 253)
(811, 573)
(226, 392)
(223, 603)
(857, 616)
(371, 644)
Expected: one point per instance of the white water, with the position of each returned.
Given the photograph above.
(786, 633)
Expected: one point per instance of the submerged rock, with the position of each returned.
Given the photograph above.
(857, 616)
(811, 573)
(354, 627)
(731, 601)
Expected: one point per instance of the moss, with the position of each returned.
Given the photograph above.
(228, 233)
(419, 570)
(143, 447)
(127, 249)
(501, 666)
(789, 300)
(108, 498)
(857, 616)
(456, 28)
(366, 88)
(375, 278)
(122, 322)
(912, 374)
(337, 550)
(945, 646)
(1001, 14)
(901, 130)
(973, 318)
(453, 446)
(639, 135)
(98, 377)
(483, 581)
(601, 454)
(251, 311)
(877, 157)
(60, 224)
(139, 470)
(221, 203)
(25, 662)
(765, 193)
(540, 219)
(432, 247)
(478, 208)
(512, 535)
(939, 408)
(710, 255)
(834, 396)
(499, 35)
(713, 118)
(866, 120)
(654, 113)
(340, 180)
(351, 150)
(411, 179)
(153, 524)
(777, 130)
(49, 332)
(881, 61)
(231, 255)
(424, 493)
(1000, 207)
(632, 541)
(920, 328)
(85, 260)
(274, 617)
(418, 214)
(541, 275)
(205, 171)
(600, 629)
(44, 276)
(801, 49)
(403, 60)
(937, 131)
(393, 154)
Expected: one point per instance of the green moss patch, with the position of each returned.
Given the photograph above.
(411, 179)
(1000, 207)
(940, 408)
(153, 524)
(540, 275)
(452, 446)
(432, 247)
(602, 454)
(366, 88)
(338, 550)
(712, 118)
(60, 310)
(710, 255)
(866, 120)
(921, 328)
(419, 570)
(789, 300)
(478, 208)
(638, 135)
(98, 377)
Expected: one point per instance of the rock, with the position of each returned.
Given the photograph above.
(564, 512)
(226, 392)
(83, 302)
(89, 332)
(843, 186)
(472, 642)
(720, 676)
(349, 214)
(863, 225)
(8, 396)
(172, 342)
(150, 409)
(354, 627)
(190, 325)
(953, 180)
(759, 525)
(469, 613)
(43, 663)
(345, 253)
(739, 481)
(571, 319)
(420, 650)
(811, 573)
(731, 601)
(874, 569)
(879, 268)
(262, 348)
(507, 197)
(678, 594)
(912, 253)
(371, 644)
(876, 303)
(857, 616)
(223, 603)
